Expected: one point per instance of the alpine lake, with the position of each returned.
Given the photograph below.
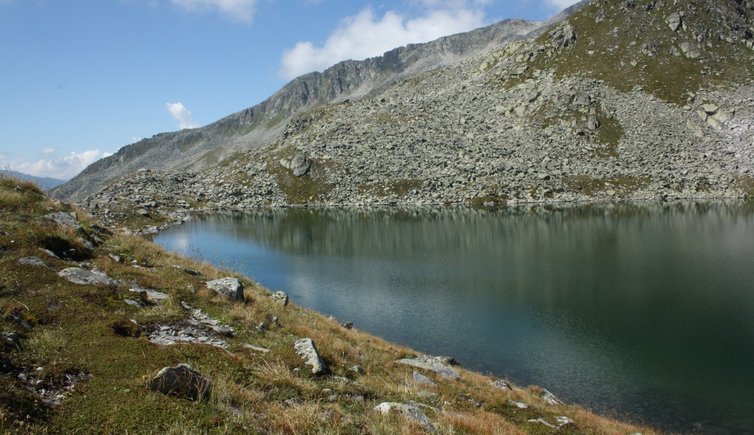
(644, 312)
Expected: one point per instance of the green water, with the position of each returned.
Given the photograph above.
(644, 312)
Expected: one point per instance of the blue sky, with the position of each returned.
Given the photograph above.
(81, 78)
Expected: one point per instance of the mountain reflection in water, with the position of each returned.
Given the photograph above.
(640, 311)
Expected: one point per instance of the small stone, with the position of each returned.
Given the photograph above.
(115, 258)
(280, 297)
(256, 348)
(359, 370)
(306, 349)
(32, 261)
(151, 296)
(408, 410)
(347, 325)
(181, 381)
(228, 287)
(125, 328)
(519, 405)
(710, 109)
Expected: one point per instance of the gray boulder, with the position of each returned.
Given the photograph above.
(32, 261)
(228, 287)
(64, 219)
(436, 364)
(674, 21)
(81, 276)
(308, 352)
(690, 50)
(181, 381)
(280, 297)
(300, 165)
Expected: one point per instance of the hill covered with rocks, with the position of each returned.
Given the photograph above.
(624, 100)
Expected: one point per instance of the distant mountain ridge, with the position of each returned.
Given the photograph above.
(257, 126)
(45, 183)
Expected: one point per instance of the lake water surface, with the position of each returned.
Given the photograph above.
(644, 312)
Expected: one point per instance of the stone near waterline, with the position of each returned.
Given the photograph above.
(549, 398)
(181, 381)
(306, 349)
(228, 287)
(436, 364)
(280, 297)
(81, 276)
(408, 410)
(501, 385)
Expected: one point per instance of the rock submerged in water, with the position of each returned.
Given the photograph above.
(436, 364)
(228, 287)
(308, 352)
(181, 381)
(81, 276)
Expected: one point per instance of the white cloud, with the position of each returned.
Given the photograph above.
(63, 168)
(365, 35)
(181, 114)
(48, 151)
(241, 10)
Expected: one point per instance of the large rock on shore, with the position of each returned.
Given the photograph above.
(228, 287)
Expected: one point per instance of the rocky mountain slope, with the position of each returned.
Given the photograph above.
(101, 332)
(255, 127)
(633, 99)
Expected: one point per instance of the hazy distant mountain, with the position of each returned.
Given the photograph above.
(43, 182)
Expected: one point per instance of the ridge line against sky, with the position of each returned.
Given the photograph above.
(83, 79)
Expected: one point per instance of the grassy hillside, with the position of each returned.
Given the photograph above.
(76, 358)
